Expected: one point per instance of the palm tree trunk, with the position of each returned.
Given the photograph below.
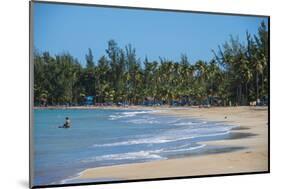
(240, 94)
(237, 95)
(246, 93)
(257, 85)
(262, 85)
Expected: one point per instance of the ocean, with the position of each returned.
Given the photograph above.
(102, 137)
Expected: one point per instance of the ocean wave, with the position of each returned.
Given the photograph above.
(174, 121)
(131, 142)
(163, 139)
(214, 134)
(143, 121)
(190, 123)
(143, 155)
(187, 149)
(184, 123)
(127, 156)
(115, 117)
(130, 114)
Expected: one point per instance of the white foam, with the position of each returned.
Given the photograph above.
(143, 121)
(187, 149)
(184, 123)
(174, 121)
(215, 134)
(141, 155)
(190, 123)
(172, 137)
(130, 114)
(127, 156)
(117, 116)
(69, 179)
(138, 141)
(192, 130)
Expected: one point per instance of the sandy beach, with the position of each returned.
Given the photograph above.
(251, 137)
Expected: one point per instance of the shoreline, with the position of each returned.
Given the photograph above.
(112, 107)
(253, 157)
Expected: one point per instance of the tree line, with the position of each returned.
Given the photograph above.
(237, 74)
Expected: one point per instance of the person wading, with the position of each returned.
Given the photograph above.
(67, 123)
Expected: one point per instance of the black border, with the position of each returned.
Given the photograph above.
(148, 9)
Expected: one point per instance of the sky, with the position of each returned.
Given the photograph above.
(60, 28)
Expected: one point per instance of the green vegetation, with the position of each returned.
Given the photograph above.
(237, 73)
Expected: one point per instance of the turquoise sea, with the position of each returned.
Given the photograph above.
(102, 137)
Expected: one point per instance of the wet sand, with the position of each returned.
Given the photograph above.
(246, 150)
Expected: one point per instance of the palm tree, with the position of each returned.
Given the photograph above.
(202, 75)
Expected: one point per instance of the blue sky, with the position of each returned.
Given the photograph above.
(70, 28)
